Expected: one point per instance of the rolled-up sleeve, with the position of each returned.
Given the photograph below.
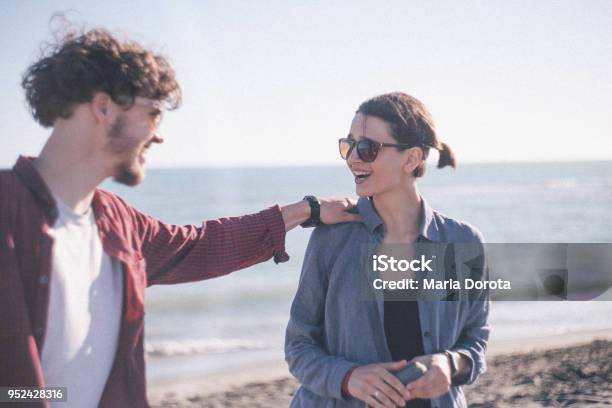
(186, 253)
(472, 342)
(305, 350)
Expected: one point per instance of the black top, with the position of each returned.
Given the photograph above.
(403, 331)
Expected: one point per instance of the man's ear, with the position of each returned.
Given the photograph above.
(103, 108)
(414, 157)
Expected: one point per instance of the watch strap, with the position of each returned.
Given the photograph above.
(315, 212)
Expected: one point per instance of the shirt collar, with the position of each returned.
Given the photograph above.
(428, 228)
(25, 170)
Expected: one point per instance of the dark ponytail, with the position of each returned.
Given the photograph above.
(447, 156)
(410, 123)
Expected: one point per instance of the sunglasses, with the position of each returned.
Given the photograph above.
(367, 149)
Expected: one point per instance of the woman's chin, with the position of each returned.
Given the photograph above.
(362, 192)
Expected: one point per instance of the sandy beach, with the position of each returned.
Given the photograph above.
(572, 369)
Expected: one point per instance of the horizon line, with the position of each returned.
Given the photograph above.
(250, 166)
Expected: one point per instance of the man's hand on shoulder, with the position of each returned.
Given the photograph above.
(336, 210)
(331, 211)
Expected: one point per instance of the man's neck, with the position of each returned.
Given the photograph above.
(70, 171)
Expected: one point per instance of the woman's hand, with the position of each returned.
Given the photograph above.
(376, 386)
(437, 379)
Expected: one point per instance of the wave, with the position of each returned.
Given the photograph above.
(524, 186)
(173, 348)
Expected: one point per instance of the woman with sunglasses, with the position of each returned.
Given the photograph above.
(344, 349)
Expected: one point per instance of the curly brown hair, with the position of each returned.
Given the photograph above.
(77, 66)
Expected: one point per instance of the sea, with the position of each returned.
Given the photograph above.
(239, 320)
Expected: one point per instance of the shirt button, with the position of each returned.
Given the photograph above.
(427, 334)
(43, 280)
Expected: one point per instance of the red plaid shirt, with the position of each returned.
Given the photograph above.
(149, 251)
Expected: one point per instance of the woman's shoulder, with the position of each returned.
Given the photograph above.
(455, 230)
(329, 242)
(336, 232)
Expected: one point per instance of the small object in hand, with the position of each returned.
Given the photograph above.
(411, 372)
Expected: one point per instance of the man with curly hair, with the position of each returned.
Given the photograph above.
(75, 260)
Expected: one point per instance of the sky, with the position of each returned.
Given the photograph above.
(276, 83)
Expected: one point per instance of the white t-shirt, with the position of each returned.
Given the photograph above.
(85, 304)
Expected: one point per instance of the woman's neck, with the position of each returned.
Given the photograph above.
(401, 214)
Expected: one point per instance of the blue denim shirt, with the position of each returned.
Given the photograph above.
(332, 328)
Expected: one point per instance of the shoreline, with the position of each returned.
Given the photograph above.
(275, 373)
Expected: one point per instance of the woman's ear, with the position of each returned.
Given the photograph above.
(414, 157)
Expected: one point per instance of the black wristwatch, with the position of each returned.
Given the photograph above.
(315, 212)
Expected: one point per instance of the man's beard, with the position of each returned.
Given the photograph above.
(127, 171)
(128, 175)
